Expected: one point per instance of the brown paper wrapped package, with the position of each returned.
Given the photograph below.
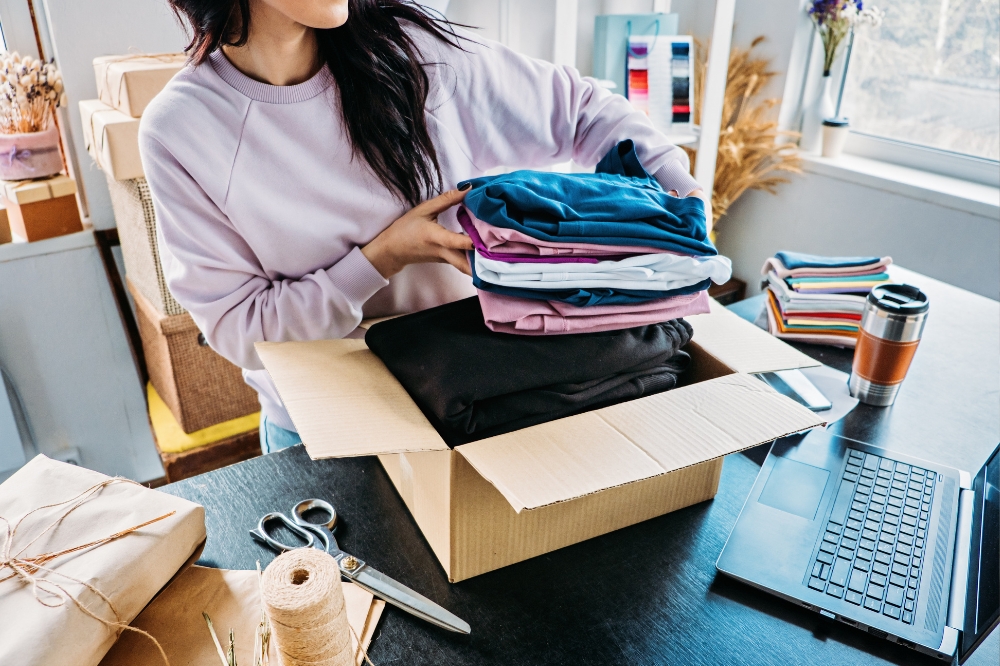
(112, 139)
(232, 600)
(129, 571)
(130, 82)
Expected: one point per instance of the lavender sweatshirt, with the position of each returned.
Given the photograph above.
(261, 210)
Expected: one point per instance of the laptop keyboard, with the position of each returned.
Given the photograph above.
(873, 550)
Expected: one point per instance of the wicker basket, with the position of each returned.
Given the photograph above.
(136, 222)
(200, 387)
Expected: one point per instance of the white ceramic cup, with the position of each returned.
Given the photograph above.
(834, 135)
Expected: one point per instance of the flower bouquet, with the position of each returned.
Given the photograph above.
(30, 92)
(835, 19)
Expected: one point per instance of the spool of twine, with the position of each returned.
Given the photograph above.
(304, 601)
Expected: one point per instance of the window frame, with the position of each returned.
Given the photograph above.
(929, 159)
(924, 158)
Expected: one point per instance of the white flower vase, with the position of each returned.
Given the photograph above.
(813, 116)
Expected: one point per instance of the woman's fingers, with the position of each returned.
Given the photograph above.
(458, 259)
(450, 239)
(442, 202)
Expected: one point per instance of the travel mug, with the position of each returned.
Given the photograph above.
(891, 325)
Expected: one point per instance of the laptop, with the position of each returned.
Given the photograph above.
(902, 548)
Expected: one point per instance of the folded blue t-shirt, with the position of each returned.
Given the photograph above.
(619, 205)
(793, 260)
(583, 298)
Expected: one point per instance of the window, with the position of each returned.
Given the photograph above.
(929, 75)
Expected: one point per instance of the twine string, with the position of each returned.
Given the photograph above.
(304, 600)
(47, 591)
(133, 54)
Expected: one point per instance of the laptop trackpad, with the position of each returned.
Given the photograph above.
(794, 487)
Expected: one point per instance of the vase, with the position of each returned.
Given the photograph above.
(813, 115)
(30, 154)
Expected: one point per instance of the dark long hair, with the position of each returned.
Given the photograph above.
(379, 73)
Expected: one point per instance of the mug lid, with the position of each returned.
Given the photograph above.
(901, 299)
(836, 122)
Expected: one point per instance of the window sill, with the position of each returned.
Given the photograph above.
(933, 188)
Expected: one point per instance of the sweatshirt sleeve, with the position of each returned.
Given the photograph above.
(516, 111)
(213, 273)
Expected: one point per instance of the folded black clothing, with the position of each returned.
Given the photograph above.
(473, 383)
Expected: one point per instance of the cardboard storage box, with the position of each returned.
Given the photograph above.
(4, 227)
(188, 454)
(43, 208)
(200, 387)
(501, 500)
(112, 139)
(129, 83)
(136, 222)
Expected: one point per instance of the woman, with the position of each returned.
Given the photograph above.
(293, 165)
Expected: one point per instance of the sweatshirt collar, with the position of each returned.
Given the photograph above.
(265, 92)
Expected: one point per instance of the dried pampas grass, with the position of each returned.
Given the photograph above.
(750, 155)
(30, 91)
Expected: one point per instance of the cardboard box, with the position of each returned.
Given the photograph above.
(112, 139)
(40, 209)
(136, 222)
(501, 500)
(4, 227)
(188, 454)
(129, 83)
(200, 387)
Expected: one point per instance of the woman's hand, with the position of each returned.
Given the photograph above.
(707, 201)
(417, 238)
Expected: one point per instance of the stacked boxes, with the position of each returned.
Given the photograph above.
(133, 206)
(200, 389)
(42, 208)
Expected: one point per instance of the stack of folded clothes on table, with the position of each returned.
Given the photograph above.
(820, 299)
(568, 253)
(473, 383)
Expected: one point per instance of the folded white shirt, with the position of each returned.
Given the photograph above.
(814, 302)
(654, 272)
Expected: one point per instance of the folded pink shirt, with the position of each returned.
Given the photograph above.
(509, 241)
(521, 316)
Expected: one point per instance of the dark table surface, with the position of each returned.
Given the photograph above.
(646, 594)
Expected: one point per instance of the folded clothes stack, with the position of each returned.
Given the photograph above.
(820, 299)
(567, 253)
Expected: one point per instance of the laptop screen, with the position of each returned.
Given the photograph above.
(982, 605)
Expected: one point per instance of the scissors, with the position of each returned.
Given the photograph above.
(319, 534)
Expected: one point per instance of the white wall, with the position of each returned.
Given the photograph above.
(819, 214)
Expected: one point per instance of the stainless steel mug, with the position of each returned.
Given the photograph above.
(891, 326)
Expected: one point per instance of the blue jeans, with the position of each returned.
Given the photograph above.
(274, 437)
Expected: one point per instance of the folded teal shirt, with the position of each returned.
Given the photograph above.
(794, 260)
(620, 204)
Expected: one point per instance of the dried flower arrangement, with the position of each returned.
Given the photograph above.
(30, 91)
(750, 155)
(835, 19)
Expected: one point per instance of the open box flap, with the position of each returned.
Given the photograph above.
(743, 346)
(344, 401)
(559, 460)
(587, 453)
